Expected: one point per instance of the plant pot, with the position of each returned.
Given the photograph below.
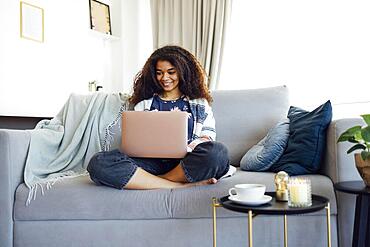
(363, 167)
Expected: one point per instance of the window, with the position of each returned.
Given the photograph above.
(320, 49)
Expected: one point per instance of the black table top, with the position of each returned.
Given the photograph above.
(275, 207)
(353, 187)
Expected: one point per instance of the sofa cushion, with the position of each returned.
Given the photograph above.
(265, 153)
(80, 199)
(307, 140)
(240, 122)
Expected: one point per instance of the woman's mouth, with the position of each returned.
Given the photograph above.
(166, 83)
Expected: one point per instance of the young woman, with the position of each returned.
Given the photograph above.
(171, 79)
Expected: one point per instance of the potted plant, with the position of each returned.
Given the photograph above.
(360, 137)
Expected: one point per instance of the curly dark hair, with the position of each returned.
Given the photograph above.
(192, 77)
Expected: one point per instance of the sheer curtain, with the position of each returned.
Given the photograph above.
(319, 49)
(197, 25)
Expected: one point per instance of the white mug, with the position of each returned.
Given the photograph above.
(248, 191)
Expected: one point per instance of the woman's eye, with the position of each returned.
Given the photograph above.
(159, 73)
(171, 72)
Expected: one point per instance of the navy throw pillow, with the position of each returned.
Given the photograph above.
(264, 154)
(307, 140)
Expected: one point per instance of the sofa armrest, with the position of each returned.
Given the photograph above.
(13, 153)
(339, 165)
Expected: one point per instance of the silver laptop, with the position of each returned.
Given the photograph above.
(154, 134)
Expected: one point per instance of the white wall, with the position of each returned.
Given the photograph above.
(36, 78)
(136, 39)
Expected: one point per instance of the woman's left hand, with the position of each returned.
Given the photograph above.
(198, 141)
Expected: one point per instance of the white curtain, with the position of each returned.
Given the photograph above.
(197, 25)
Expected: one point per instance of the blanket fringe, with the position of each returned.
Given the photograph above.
(49, 184)
(109, 134)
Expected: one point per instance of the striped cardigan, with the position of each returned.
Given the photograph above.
(204, 122)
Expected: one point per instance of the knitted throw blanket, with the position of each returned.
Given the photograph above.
(62, 147)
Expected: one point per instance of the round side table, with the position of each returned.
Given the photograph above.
(361, 227)
(273, 208)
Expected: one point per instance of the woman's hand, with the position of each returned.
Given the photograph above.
(198, 141)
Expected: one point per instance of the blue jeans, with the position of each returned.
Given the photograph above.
(115, 169)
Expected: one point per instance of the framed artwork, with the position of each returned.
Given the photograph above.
(100, 17)
(31, 22)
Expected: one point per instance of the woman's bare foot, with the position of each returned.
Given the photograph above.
(143, 180)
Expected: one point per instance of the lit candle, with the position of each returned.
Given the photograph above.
(299, 192)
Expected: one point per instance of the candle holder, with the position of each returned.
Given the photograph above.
(281, 186)
(299, 192)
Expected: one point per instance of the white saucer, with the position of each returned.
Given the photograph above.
(263, 200)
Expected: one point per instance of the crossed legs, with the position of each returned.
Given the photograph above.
(207, 162)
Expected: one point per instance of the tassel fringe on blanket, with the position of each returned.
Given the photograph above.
(32, 192)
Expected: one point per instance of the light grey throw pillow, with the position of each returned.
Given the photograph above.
(264, 154)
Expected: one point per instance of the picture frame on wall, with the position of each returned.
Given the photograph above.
(31, 22)
(100, 17)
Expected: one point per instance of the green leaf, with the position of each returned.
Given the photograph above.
(358, 136)
(366, 118)
(355, 147)
(350, 134)
(365, 155)
(365, 133)
(353, 140)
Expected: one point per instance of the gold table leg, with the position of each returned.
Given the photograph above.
(328, 223)
(285, 231)
(250, 232)
(214, 206)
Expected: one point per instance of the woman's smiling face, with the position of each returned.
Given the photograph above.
(168, 78)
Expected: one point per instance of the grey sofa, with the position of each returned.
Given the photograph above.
(76, 212)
